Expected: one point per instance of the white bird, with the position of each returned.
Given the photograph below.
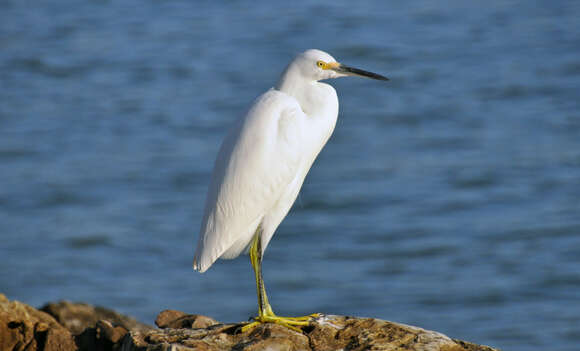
(262, 164)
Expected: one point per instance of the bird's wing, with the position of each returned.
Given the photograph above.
(257, 161)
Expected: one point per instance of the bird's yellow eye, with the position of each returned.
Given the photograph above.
(321, 64)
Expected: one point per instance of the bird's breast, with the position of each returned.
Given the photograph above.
(319, 101)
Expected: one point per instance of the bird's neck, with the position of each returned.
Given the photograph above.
(309, 94)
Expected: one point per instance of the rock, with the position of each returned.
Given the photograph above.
(104, 336)
(63, 326)
(95, 328)
(76, 317)
(109, 332)
(178, 319)
(325, 333)
(166, 317)
(84, 327)
(25, 328)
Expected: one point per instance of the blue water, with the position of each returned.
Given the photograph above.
(447, 198)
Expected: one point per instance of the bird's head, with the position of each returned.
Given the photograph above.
(317, 65)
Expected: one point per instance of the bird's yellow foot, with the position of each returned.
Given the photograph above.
(289, 322)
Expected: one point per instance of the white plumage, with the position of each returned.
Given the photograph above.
(262, 164)
(264, 159)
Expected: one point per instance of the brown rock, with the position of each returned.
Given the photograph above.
(25, 328)
(325, 333)
(95, 328)
(106, 331)
(178, 319)
(76, 317)
(165, 317)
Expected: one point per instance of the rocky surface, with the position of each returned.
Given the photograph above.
(75, 326)
(76, 317)
(62, 326)
(326, 333)
(25, 328)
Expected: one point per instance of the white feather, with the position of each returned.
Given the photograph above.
(264, 159)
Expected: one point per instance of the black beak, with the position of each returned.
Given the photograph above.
(351, 71)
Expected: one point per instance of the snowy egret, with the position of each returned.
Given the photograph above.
(262, 164)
